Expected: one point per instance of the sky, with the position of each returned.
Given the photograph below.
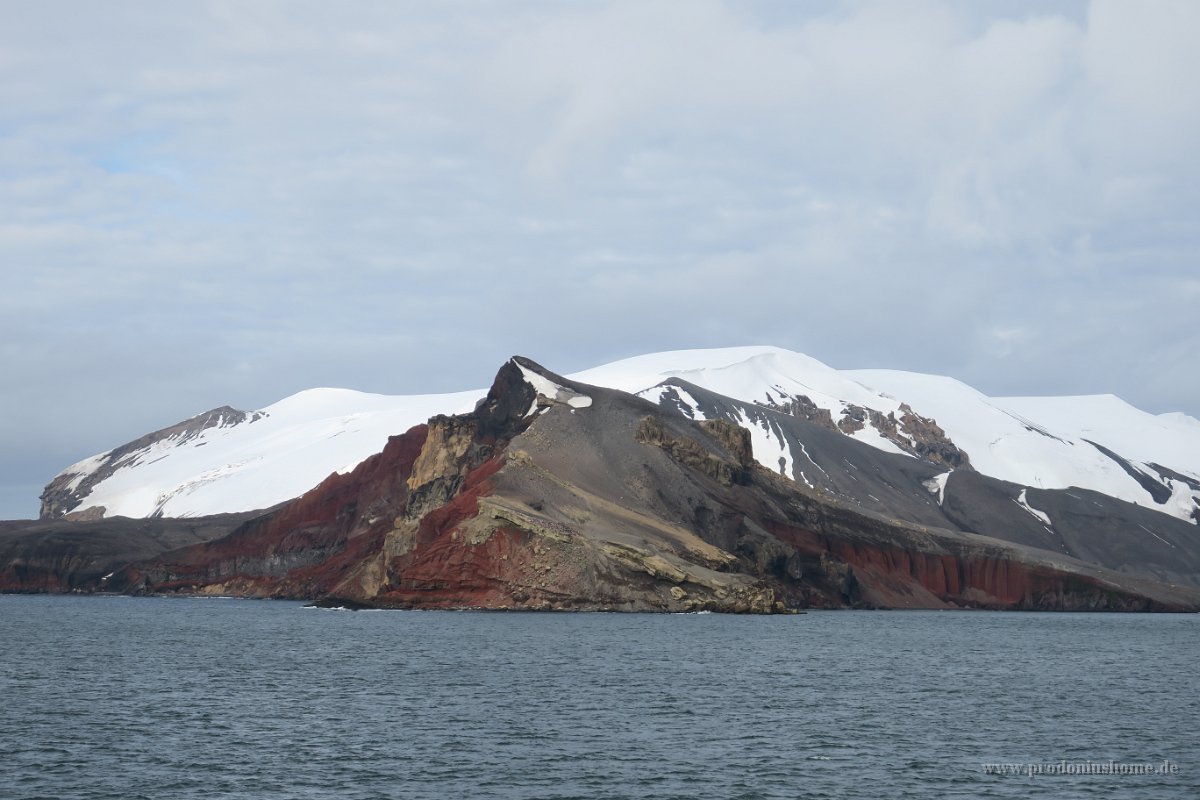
(223, 203)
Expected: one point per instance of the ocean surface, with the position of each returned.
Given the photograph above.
(113, 697)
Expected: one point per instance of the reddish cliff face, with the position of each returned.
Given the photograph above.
(593, 499)
(845, 572)
(303, 548)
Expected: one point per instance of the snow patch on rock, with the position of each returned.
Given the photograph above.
(1041, 516)
(552, 391)
(937, 485)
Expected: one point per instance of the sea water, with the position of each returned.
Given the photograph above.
(115, 697)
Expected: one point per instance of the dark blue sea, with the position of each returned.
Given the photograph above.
(112, 697)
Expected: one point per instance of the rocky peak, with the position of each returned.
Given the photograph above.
(456, 445)
(509, 398)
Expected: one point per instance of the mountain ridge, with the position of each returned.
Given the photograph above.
(291, 445)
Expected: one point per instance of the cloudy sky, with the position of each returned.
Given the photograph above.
(209, 203)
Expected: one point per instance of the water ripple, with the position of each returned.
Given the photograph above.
(124, 698)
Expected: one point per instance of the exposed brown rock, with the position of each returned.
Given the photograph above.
(728, 469)
(914, 434)
(854, 419)
(930, 442)
(89, 514)
(803, 407)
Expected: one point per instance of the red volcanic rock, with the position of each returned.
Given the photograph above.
(451, 573)
(943, 572)
(303, 548)
(464, 505)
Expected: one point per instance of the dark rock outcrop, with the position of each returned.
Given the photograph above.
(928, 440)
(731, 466)
(912, 433)
(804, 408)
(80, 555)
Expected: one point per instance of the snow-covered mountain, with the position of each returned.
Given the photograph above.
(227, 460)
